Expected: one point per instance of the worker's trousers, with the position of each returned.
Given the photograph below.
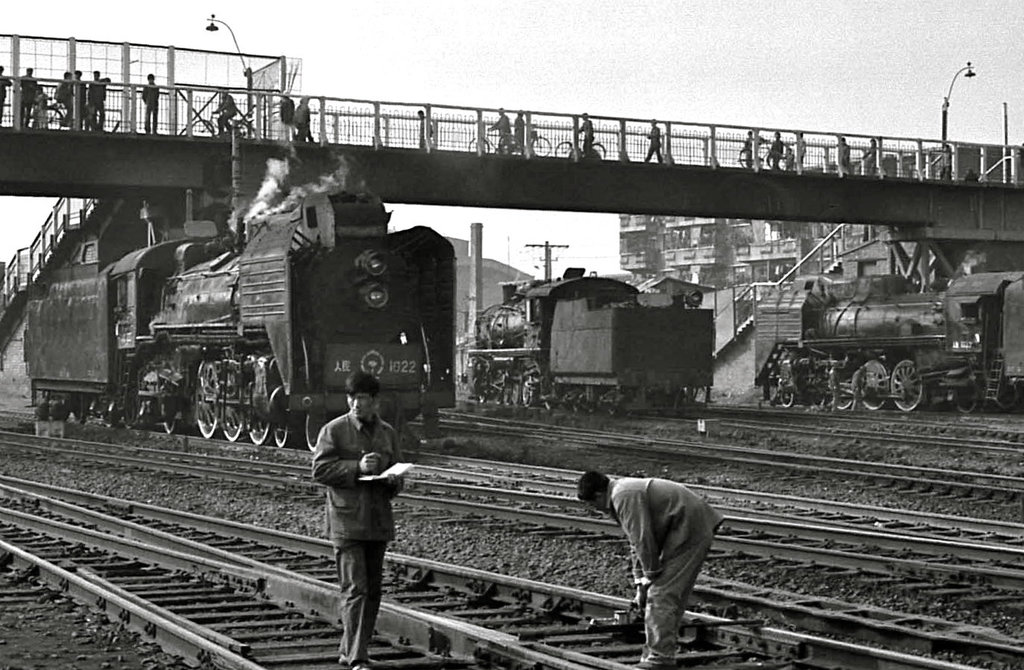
(666, 601)
(360, 571)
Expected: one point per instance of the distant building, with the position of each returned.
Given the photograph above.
(719, 253)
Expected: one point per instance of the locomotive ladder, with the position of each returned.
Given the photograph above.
(995, 377)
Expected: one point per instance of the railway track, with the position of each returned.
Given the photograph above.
(768, 534)
(998, 488)
(542, 618)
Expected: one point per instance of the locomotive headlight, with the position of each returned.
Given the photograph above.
(376, 296)
(373, 263)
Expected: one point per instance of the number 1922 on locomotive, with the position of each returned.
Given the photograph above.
(393, 364)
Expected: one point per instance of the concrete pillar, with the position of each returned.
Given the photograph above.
(476, 274)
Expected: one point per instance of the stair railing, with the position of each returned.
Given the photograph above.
(745, 298)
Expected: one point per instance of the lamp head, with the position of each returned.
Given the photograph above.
(970, 72)
(213, 26)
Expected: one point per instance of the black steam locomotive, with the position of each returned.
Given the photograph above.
(882, 342)
(589, 343)
(258, 338)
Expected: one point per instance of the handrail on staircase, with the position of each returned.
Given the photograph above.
(753, 287)
(27, 262)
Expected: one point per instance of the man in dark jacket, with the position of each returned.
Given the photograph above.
(670, 529)
(359, 518)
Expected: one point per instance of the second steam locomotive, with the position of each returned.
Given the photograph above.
(590, 343)
(257, 338)
(877, 341)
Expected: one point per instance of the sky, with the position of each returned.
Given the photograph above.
(867, 67)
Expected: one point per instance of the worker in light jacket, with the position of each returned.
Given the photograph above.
(670, 529)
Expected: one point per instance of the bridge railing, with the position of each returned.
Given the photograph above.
(191, 111)
(25, 265)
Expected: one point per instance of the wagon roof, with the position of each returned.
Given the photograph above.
(983, 283)
(563, 287)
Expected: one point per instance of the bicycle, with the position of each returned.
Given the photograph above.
(489, 145)
(204, 126)
(566, 149)
(539, 145)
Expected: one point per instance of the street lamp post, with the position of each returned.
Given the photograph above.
(212, 27)
(945, 101)
(236, 161)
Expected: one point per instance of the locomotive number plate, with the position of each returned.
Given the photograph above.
(391, 363)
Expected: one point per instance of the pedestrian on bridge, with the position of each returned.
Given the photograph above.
(776, 151)
(97, 102)
(301, 119)
(670, 529)
(870, 158)
(81, 106)
(5, 83)
(504, 128)
(519, 126)
(41, 110)
(654, 135)
(151, 99)
(226, 110)
(747, 151)
(587, 130)
(359, 517)
(843, 157)
(65, 98)
(29, 87)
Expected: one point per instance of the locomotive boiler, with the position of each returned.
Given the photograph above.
(882, 342)
(255, 339)
(591, 343)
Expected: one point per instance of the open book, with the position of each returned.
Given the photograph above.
(396, 469)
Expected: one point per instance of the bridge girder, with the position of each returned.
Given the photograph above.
(105, 165)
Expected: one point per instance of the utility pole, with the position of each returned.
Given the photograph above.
(547, 255)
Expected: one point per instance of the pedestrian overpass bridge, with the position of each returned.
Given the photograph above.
(443, 154)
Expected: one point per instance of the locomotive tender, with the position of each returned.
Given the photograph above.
(964, 344)
(259, 338)
(592, 343)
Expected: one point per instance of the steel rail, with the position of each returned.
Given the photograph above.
(423, 630)
(173, 633)
(1003, 577)
(851, 514)
(673, 447)
(825, 651)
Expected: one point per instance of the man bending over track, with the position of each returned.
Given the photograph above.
(670, 529)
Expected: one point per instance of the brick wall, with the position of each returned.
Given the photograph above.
(14, 382)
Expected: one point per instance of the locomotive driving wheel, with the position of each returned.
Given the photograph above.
(787, 396)
(876, 384)
(207, 387)
(233, 423)
(906, 385)
(259, 429)
(969, 398)
(281, 435)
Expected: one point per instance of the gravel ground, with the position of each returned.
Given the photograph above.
(599, 567)
(51, 631)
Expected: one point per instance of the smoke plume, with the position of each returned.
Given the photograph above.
(276, 196)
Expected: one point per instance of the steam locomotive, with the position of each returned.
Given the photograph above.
(592, 343)
(882, 342)
(253, 338)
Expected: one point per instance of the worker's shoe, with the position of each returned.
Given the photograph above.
(652, 664)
